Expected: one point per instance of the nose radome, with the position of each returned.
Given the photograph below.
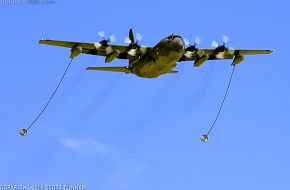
(179, 42)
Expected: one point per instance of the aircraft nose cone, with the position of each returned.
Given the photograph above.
(175, 43)
(179, 43)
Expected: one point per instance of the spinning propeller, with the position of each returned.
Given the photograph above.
(225, 39)
(197, 41)
(134, 47)
(130, 39)
(221, 49)
(112, 38)
(191, 47)
(104, 42)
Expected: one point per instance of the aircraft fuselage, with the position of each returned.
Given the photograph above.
(161, 59)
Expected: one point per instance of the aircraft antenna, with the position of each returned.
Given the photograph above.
(204, 137)
(24, 131)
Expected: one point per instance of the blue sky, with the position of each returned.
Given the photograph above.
(114, 131)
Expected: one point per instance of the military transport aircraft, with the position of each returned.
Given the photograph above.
(151, 62)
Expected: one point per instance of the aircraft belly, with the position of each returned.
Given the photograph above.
(160, 60)
(154, 67)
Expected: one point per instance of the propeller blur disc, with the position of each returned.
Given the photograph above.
(139, 37)
(186, 41)
(197, 40)
(127, 40)
(214, 44)
(113, 38)
(225, 39)
(101, 34)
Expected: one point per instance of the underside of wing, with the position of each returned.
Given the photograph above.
(67, 44)
(112, 69)
(199, 56)
(218, 55)
(99, 48)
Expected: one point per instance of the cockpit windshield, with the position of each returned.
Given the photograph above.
(171, 37)
(176, 36)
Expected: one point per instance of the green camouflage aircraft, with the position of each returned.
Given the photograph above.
(151, 62)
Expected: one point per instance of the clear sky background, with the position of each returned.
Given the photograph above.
(115, 131)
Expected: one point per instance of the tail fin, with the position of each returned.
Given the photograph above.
(112, 69)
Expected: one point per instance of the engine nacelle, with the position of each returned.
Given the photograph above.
(75, 51)
(201, 60)
(111, 56)
(238, 59)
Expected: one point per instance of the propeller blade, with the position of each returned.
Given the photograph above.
(131, 36)
(127, 40)
(101, 34)
(225, 39)
(113, 38)
(214, 44)
(186, 41)
(197, 40)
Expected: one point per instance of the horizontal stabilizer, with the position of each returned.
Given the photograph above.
(112, 69)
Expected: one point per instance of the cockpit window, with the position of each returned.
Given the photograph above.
(176, 36)
(173, 36)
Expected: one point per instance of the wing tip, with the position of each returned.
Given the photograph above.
(42, 41)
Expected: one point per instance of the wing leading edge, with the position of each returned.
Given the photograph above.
(98, 48)
(202, 55)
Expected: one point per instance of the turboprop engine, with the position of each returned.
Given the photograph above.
(238, 59)
(111, 56)
(201, 60)
(75, 51)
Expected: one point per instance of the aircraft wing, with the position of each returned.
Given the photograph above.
(98, 48)
(213, 54)
(253, 52)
